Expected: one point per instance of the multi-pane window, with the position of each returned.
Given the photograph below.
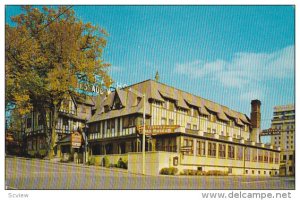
(231, 151)
(247, 154)
(188, 126)
(276, 158)
(239, 153)
(266, 156)
(260, 156)
(108, 124)
(125, 122)
(194, 127)
(201, 148)
(254, 155)
(222, 150)
(163, 121)
(213, 118)
(271, 157)
(131, 121)
(188, 143)
(171, 121)
(112, 123)
(212, 148)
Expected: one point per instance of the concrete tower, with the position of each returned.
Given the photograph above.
(255, 120)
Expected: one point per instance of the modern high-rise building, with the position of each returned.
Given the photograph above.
(282, 134)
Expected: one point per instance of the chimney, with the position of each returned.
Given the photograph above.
(255, 120)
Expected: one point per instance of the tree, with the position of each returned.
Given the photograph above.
(45, 51)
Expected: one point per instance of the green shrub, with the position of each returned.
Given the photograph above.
(91, 160)
(105, 162)
(169, 171)
(217, 173)
(122, 164)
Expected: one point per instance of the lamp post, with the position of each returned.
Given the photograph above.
(144, 127)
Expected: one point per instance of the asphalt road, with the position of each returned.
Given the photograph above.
(23, 173)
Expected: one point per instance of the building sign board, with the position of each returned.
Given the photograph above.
(271, 131)
(157, 129)
(76, 140)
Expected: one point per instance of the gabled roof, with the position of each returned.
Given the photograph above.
(160, 92)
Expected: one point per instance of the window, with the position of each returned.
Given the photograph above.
(222, 149)
(171, 106)
(108, 124)
(271, 157)
(276, 158)
(28, 122)
(254, 155)
(212, 149)
(290, 157)
(266, 156)
(284, 157)
(239, 153)
(171, 121)
(125, 122)
(194, 127)
(252, 171)
(112, 123)
(231, 151)
(201, 148)
(188, 126)
(166, 104)
(163, 121)
(246, 171)
(131, 121)
(213, 118)
(65, 122)
(247, 154)
(290, 168)
(196, 113)
(106, 108)
(260, 156)
(188, 143)
(208, 130)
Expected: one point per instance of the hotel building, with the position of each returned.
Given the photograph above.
(182, 130)
(282, 134)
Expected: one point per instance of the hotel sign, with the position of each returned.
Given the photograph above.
(157, 129)
(76, 140)
(270, 131)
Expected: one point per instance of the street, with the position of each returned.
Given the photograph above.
(21, 173)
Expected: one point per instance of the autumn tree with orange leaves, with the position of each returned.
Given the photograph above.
(44, 51)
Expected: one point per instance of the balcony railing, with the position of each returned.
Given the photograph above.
(191, 131)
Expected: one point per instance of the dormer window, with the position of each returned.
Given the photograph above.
(138, 100)
(106, 108)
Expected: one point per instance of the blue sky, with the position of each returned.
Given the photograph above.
(228, 54)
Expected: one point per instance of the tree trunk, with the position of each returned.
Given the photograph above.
(54, 119)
